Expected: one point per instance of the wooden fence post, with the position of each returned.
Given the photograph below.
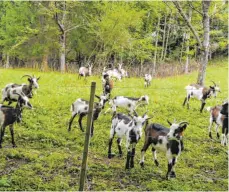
(87, 138)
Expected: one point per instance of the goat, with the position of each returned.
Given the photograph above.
(9, 115)
(81, 107)
(107, 84)
(148, 79)
(85, 71)
(167, 140)
(127, 102)
(113, 73)
(131, 128)
(224, 111)
(201, 93)
(123, 72)
(8, 93)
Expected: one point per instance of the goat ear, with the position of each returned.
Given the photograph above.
(169, 122)
(211, 87)
(183, 127)
(29, 79)
(38, 78)
(97, 96)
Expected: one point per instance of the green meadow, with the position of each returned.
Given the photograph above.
(48, 157)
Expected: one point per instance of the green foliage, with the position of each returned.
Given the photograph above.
(48, 157)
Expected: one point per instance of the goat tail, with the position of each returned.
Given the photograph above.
(72, 108)
(70, 122)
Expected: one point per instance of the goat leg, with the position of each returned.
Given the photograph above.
(110, 155)
(70, 122)
(80, 121)
(128, 159)
(132, 158)
(202, 106)
(12, 135)
(155, 156)
(185, 99)
(119, 147)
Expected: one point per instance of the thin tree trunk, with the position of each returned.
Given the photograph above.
(7, 65)
(155, 52)
(205, 51)
(62, 52)
(187, 43)
(182, 47)
(166, 42)
(163, 42)
(45, 66)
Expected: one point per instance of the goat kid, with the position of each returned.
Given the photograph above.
(201, 93)
(164, 139)
(129, 103)
(9, 92)
(80, 107)
(9, 115)
(148, 79)
(129, 127)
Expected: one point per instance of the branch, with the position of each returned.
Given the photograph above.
(67, 30)
(177, 5)
(59, 24)
(190, 5)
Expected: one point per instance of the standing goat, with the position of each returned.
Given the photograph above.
(85, 71)
(131, 128)
(167, 140)
(201, 93)
(81, 107)
(224, 111)
(129, 103)
(9, 115)
(8, 93)
(148, 79)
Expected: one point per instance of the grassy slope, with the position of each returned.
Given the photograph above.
(49, 158)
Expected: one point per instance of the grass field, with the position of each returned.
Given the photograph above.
(48, 157)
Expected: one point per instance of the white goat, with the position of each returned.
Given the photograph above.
(129, 103)
(85, 71)
(148, 79)
(130, 128)
(113, 73)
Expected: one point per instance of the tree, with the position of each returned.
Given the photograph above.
(203, 46)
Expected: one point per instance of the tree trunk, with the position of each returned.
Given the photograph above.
(155, 52)
(182, 47)
(45, 66)
(7, 65)
(205, 48)
(166, 42)
(163, 42)
(62, 52)
(187, 43)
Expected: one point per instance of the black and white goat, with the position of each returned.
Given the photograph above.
(80, 107)
(148, 79)
(85, 71)
(201, 93)
(164, 139)
(129, 127)
(9, 115)
(107, 84)
(9, 92)
(129, 103)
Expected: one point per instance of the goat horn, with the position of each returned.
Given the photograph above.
(27, 76)
(145, 113)
(169, 122)
(135, 113)
(183, 122)
(214, 83)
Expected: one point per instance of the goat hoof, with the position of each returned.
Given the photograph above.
(173, 174)
(156, 163)
(111, 155)
(142, 164)
(210, 135)
(218, 135)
